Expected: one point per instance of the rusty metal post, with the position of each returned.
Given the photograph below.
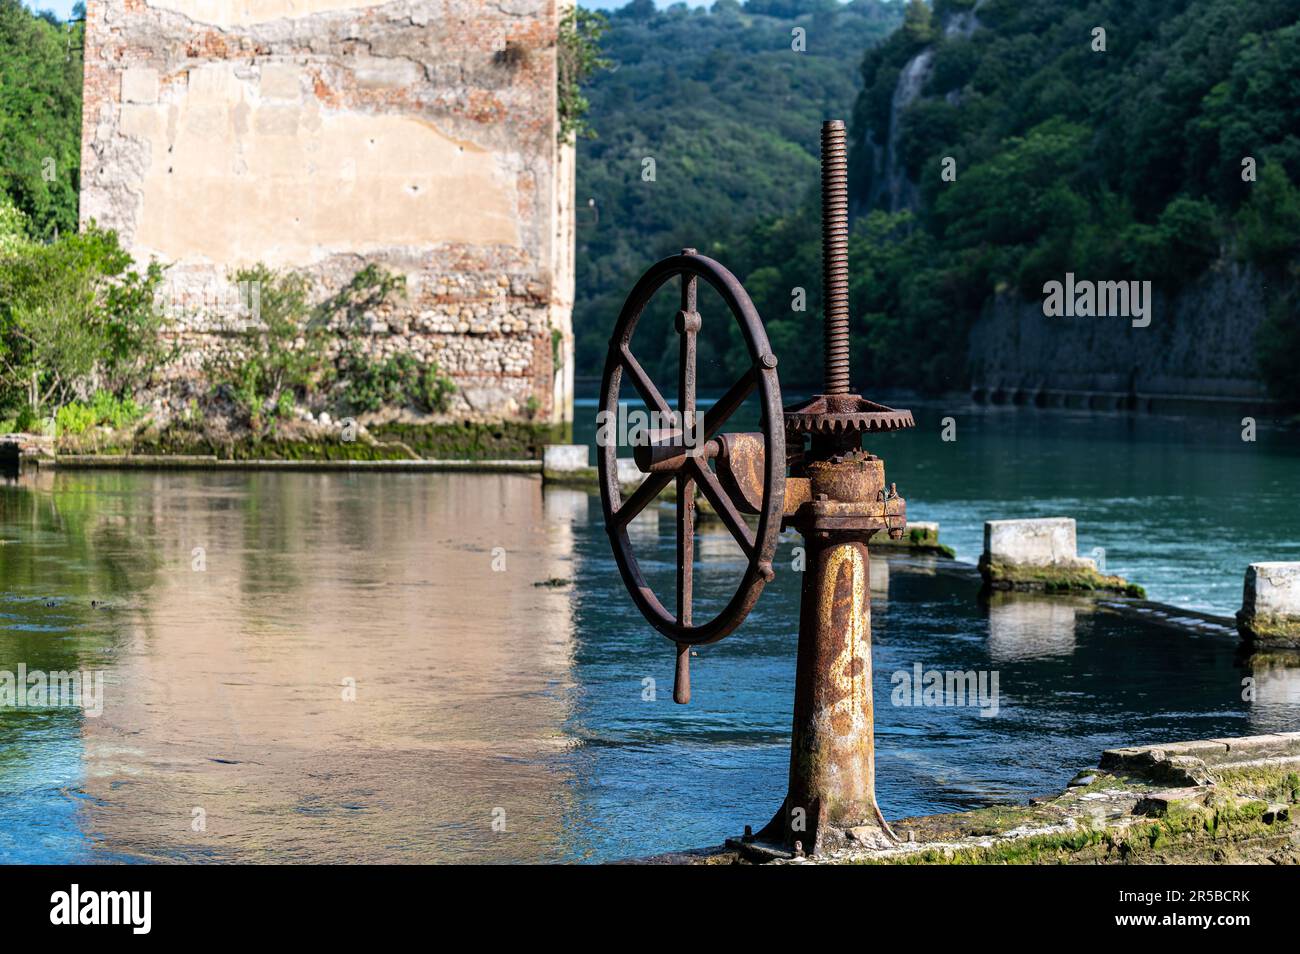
(832, 792)
(835, 495)
(837, 499)
(832, 756)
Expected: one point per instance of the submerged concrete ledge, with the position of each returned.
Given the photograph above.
(1226, 801)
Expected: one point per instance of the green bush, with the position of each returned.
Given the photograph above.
(398, 380)
(577, 58)
(281, 357)
(77, 417)
(279, 354)
(74, 312)
(74, 418)
(13, 226)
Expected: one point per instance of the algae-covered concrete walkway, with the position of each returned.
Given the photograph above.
(1215, 801)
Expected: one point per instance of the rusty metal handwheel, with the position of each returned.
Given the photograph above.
(668, 457)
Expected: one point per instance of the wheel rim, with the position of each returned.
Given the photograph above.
(759, 545)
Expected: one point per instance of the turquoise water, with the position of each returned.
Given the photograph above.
(364, 667)
(1179, 504)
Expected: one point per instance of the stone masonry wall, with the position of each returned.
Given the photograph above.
(326, 134)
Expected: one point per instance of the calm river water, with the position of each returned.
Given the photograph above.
(338, 668)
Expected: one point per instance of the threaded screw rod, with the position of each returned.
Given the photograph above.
(835, 255)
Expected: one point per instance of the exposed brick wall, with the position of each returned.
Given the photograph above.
(326, 134)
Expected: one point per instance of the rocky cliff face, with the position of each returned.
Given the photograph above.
(891, 187)
(892, 179)
(1201, 344)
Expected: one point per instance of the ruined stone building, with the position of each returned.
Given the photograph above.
(420, 135)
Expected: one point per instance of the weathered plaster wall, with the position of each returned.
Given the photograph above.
(325, 134)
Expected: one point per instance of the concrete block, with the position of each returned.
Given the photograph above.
(1270, 605)
(559, 458)
(1272, 588)
(1042, 541)
(1039, 554)
(629, 474)
(139, 85)
(1171, 801)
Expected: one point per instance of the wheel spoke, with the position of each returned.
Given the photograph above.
(726, 405)
(685, 546)
(688, 326)
(685, 581)
(649, 393)
(646, 492)
(717, 496)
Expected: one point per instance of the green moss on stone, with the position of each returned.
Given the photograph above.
(1263, 781)
(1270, 630)
(463, 440)
(1055, 579)
(476, 440)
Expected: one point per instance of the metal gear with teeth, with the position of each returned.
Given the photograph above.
(844, 413)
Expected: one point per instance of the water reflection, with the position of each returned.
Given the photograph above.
(267, 598)
(1274, 696)
(1024, 625)
(500, 675)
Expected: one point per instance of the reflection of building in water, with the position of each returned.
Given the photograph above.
(1276, 691)
(229, 700)
(643, 529)
(878, 575)
(563, 506)
(1023, 626)
(714, 543)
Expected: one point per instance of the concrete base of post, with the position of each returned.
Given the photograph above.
(1210, 801)
(1038, 554)
(1270, 605)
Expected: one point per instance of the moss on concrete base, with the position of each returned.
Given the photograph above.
(917, 538)
(1282, 632)
(586, 477)
(1080, 578)
(1243, 812)
(461, 440)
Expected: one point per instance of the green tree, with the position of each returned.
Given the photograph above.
(917, 22)
(75, 316)
(1269, 221)
(730, 114)
(577, 59)
(40, 117)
